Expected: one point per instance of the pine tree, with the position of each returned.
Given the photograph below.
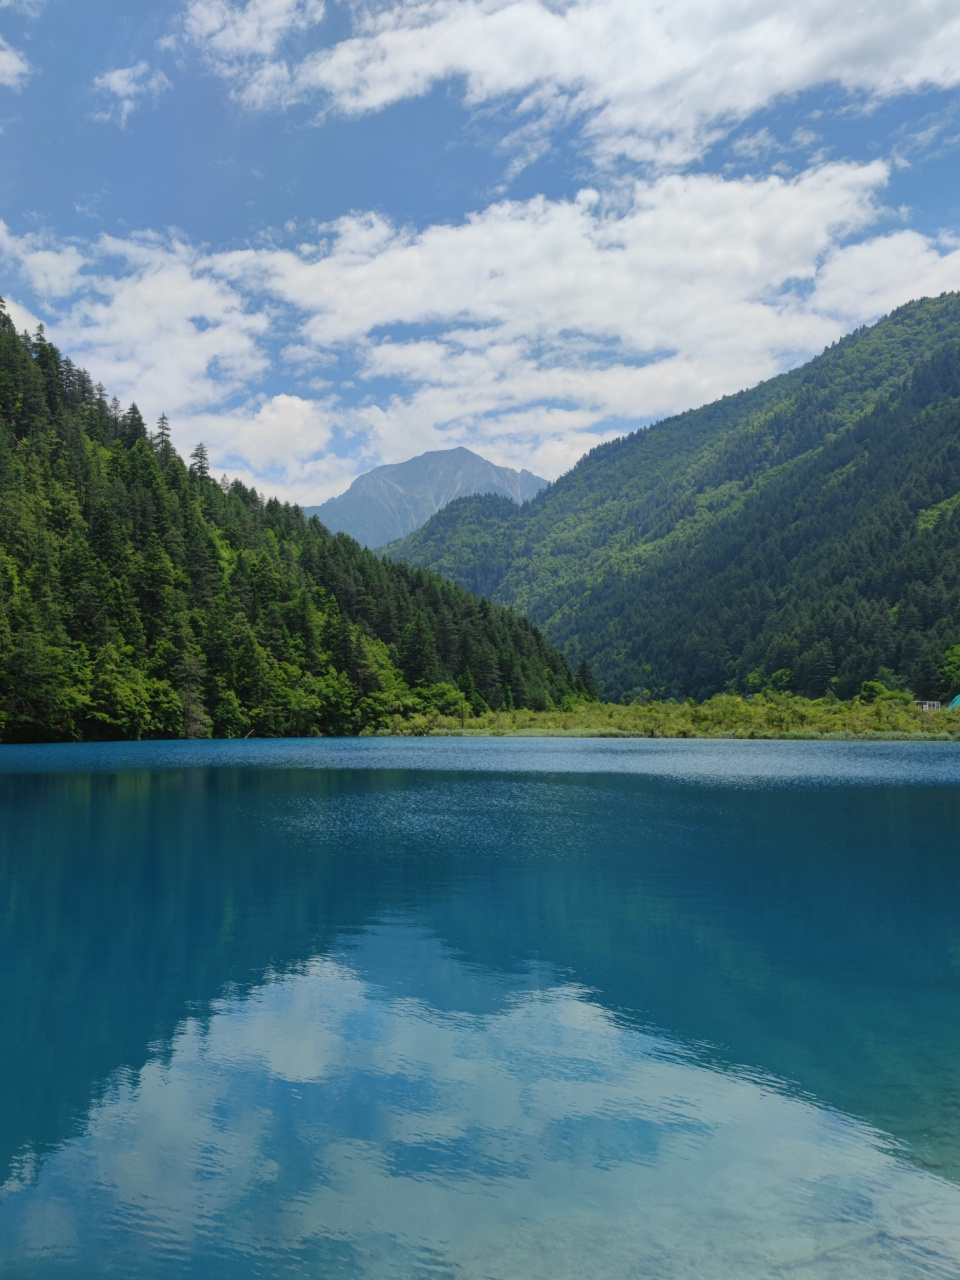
(161, 441)
(134, 428)
(201, 463)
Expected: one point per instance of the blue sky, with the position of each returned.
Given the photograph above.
(325, 235)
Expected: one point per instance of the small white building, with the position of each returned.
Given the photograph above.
(928, 706)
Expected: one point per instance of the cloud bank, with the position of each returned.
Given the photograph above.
(653, 83)
(528, 331)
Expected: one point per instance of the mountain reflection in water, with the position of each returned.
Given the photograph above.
(411, 1021)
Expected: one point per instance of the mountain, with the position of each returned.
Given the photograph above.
(139, 598)
(392, 501)
(802, 535)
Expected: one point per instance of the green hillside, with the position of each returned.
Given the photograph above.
(141, 598)
(802, 535)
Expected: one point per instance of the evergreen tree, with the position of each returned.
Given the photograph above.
(200, 462)
(133, 427)
(161, 441)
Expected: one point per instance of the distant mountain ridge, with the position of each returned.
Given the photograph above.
(802, 535)
(394, 500)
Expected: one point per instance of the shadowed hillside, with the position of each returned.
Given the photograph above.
(803, 535)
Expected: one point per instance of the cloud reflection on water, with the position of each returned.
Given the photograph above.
(320, 1121)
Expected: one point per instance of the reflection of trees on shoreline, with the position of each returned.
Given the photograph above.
(805, 933)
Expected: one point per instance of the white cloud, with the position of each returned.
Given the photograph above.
(872, 278)
(525, 329)
(534, 322)
(21, 316)
(256, 29)
(527, 332)
(241, 42)
(51, 268)
(150, 319)
(279, 443)
(534, 327)
(14, 68)
(128, 87)
(146, 315)
(653, 82)
(540, 269)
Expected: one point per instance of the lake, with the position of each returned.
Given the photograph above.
(493, 1009)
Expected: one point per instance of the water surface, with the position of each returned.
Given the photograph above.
(497, 1008)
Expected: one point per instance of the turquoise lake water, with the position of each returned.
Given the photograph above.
(491, 1009)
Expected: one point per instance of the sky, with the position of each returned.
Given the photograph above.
(321, 235)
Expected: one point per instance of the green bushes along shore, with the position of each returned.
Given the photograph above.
(875, 714)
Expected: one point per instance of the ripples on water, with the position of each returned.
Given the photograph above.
(511, 1009)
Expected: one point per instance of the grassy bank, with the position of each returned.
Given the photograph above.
(723, 716)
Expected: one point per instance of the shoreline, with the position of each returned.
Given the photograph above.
(795, 736)
(767, 716)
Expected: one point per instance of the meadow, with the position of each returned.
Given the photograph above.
(725, 715)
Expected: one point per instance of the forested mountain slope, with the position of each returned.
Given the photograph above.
(805, 533)
(139, 597)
